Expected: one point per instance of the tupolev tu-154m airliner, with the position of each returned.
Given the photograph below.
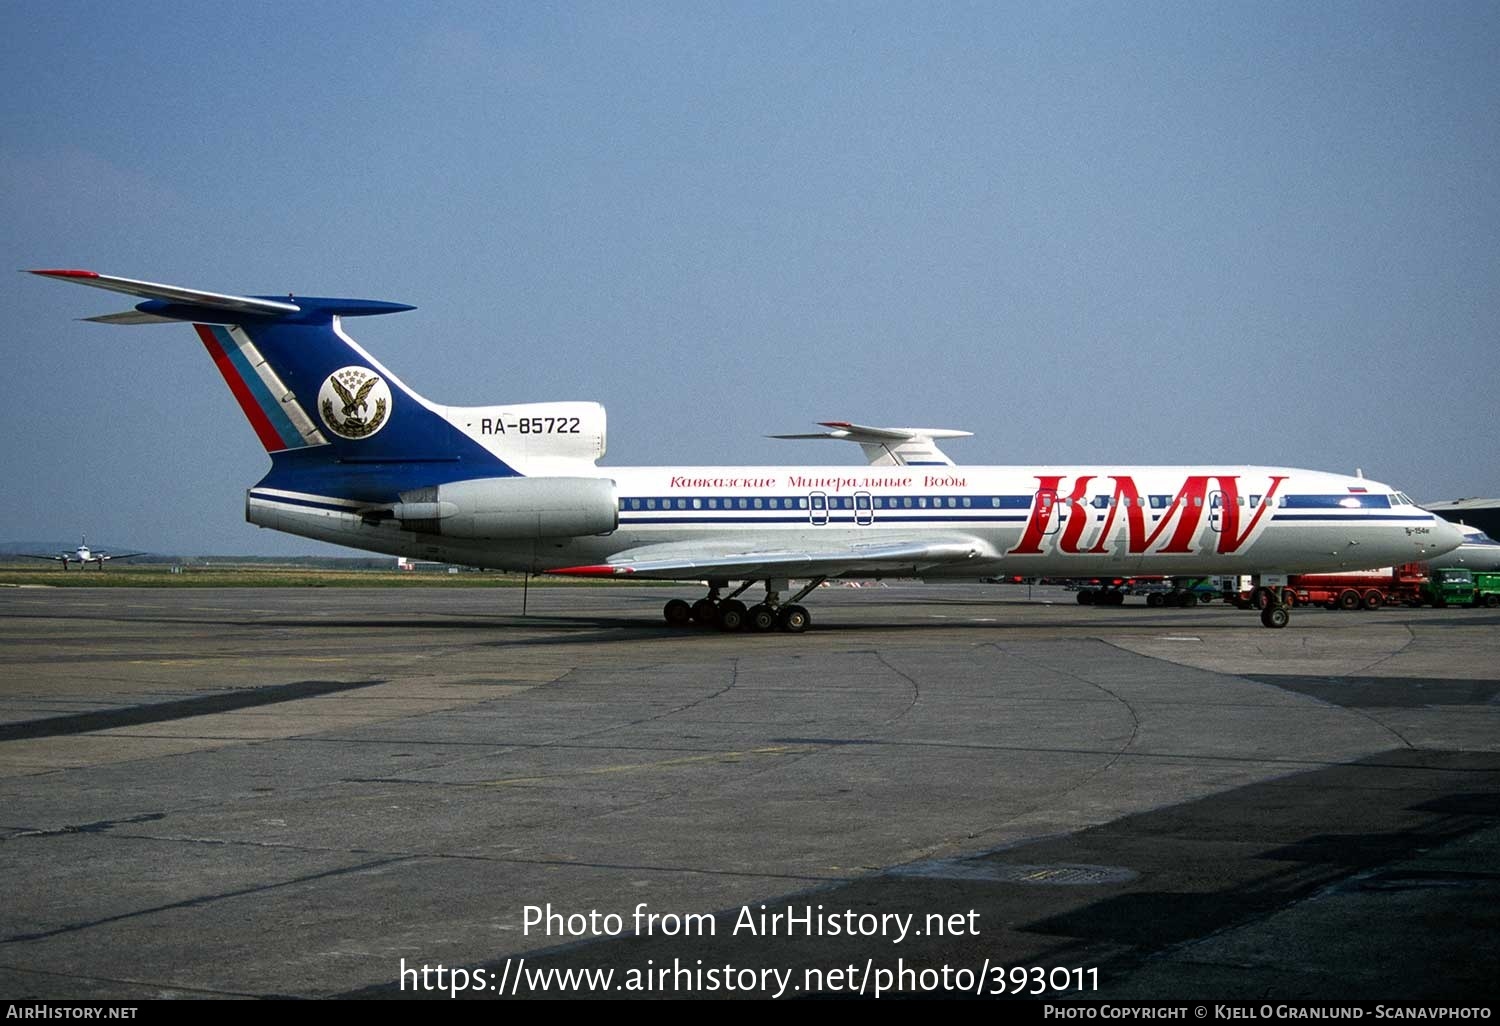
(360, 459)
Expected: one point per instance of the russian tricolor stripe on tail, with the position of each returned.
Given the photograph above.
(279, 420)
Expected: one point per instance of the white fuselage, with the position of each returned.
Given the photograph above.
(1035, 521)
(1478, 552)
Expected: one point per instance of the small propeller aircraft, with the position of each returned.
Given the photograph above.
(83, 555)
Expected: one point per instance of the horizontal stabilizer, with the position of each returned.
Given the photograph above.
(890, 446)
(172, 294)
(167, 303)
(131, 317)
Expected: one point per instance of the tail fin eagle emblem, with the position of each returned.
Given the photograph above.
(345, 399)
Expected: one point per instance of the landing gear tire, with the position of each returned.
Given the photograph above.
(731, 615)
(678, 613)
(1275, 616)
(761, 618)
(794, 619)
(705, 611)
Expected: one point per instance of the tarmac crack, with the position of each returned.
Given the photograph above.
(734, 675)
(388, 857)
(1113, 756)
(157, 986)
(98, 827)
(198, 902)
(916, 689)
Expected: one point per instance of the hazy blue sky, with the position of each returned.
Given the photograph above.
(1114, 233)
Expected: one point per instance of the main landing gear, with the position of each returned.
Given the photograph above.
(730, 614)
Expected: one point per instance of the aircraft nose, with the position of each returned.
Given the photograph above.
(1445, 537)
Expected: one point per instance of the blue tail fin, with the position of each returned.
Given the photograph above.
(335, 421)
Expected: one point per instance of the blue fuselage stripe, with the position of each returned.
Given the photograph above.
(1356, 518)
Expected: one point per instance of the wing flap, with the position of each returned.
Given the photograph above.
(676, 563)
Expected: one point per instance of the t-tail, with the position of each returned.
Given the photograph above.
(344, 432)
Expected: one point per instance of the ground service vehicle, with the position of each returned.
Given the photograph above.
(1366, 589)
(1157, 591)
(1459, 587)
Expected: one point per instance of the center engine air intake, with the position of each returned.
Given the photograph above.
(512, 508)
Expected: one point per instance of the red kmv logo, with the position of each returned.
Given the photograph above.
(1181, 516)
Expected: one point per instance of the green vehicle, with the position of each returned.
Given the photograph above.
(1463, 588)
(1487, 590)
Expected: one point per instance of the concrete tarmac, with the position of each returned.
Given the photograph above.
(210, 793)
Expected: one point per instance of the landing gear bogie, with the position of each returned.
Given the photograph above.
(731, 615)
(761, 618)
(794, 619)
(677, 613)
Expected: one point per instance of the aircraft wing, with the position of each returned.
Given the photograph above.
(679, 562)
(55, 559)
(122, 555)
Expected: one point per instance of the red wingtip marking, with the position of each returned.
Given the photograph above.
(591, 571)
(835, 423)
(67, 274)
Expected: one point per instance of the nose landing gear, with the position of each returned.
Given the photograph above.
(1275, 606)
